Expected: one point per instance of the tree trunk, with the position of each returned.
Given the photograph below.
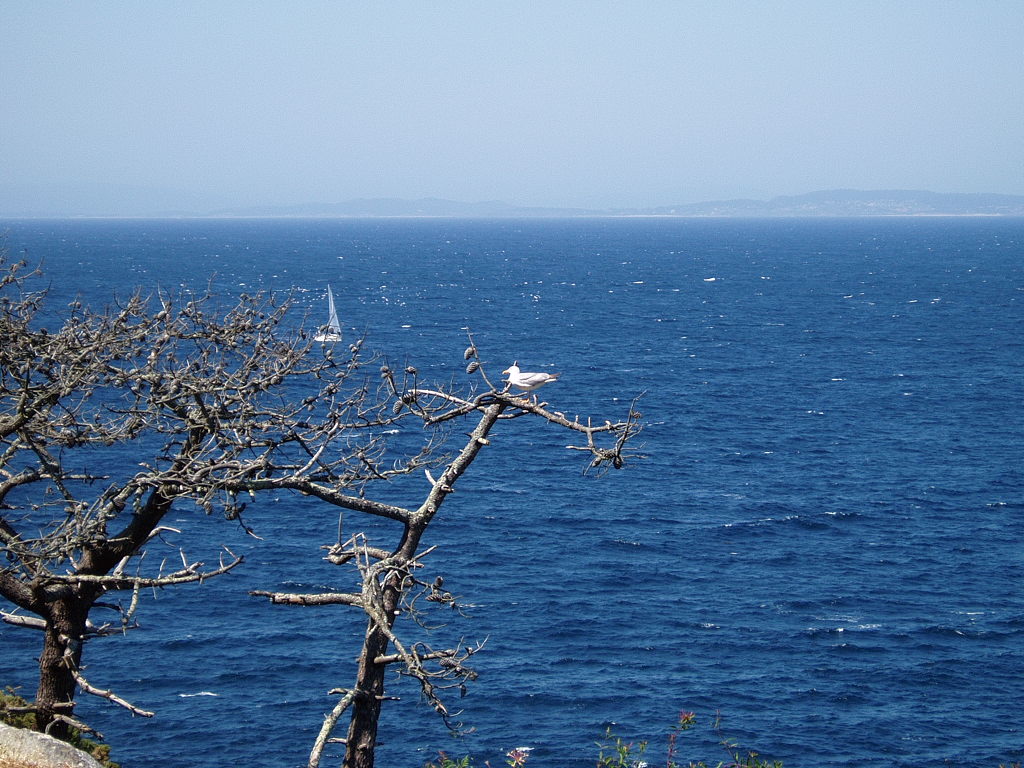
(362, 730)
(65, 628)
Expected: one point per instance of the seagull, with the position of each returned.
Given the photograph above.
(528, 381)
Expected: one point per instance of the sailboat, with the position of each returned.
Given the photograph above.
(332, 331)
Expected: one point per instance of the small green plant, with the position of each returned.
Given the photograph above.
(685, 722)
(12, 708)
(616, 753)
(750, 760)
(515, 758)
(443, 761)
(15, 711)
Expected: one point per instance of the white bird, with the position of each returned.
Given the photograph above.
(528, 381)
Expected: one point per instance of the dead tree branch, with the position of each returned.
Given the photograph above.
(110, 696)
(196, 387)
(389, 589)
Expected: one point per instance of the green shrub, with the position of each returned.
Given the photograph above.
(616, 753)
(613, 752)
(10, 700)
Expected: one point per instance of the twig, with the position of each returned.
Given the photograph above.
(86, 686)
(330, 721)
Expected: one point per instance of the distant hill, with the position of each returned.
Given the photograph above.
(852, 202)
(396, 207)
(17, 202)
(836, 202)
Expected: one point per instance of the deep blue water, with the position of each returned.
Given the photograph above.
(824, 543)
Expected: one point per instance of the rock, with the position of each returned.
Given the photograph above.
(21, 748)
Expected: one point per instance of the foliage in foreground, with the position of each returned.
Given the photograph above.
(614, 752)
(14, 711)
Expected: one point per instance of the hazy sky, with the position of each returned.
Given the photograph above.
(590, 103)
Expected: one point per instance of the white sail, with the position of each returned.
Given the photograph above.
(331, 331)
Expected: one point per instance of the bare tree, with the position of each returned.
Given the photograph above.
(117, 415)
(389, 585)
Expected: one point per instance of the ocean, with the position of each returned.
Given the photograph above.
(823, 543)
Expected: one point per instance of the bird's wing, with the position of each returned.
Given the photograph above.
(530, 379)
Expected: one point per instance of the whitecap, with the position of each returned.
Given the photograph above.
(201, 693)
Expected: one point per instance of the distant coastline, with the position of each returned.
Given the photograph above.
(827, 203)
(822, 204)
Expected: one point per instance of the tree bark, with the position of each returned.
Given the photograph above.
(62, 653)
(362, 732)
